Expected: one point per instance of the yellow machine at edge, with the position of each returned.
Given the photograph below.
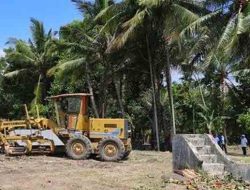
(73, 132)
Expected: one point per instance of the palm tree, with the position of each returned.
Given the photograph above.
(83, 41)
(163, 23)
(229, 48)
(36, 56)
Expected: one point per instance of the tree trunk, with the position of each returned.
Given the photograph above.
(153, 95)
(37, 101)
(44, 85)
(123, 89)
(117, 89)
(193, 118)
(170, 95)
(104, 87)
(92, 98)
(223, 107)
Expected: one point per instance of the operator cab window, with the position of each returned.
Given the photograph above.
(74, 104)
(66, 108)
(70, 105)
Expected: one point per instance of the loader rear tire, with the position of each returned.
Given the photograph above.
(111, 149)
(128, 149)
(78, 148)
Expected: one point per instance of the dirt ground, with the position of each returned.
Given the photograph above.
(235, 153)
(143, 170)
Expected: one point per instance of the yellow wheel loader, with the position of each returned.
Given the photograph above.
(73, 131)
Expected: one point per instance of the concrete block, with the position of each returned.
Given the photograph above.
(206, 149)
(209, 158)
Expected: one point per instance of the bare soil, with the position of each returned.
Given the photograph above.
(143, 170)
(235, 153)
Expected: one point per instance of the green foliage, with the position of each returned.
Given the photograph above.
(244, 120)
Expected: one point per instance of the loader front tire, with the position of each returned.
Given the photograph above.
(78, 148)
(111, 149)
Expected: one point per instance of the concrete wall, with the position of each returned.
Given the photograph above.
(241, 171)
(184, 154)
(215, 149)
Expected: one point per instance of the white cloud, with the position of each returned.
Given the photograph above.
(2, 53)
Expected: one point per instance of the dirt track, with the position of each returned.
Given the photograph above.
(142, 171)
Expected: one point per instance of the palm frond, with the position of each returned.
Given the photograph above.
(209, 58)
(84, 7)
(38, 33)
(128, 30)
(245, 25)
(111, 24)
(229, 48)
(183, 14)
(81, 47)
(19, 57)
(66, 66)
(196, 25)
(151, 3)
(24, 49)
(233, 35)
(240, 23)
(196, 6)
(200, 44)
(241, 72)
(89, 38)
(204, 117)
(105, 13)
(15, 73)
(227, 33)
(102, 4)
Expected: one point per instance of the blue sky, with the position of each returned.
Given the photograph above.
(15, 16)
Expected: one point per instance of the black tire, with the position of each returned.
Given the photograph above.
(111, 149)
(128, 149)
(126, 154)
(78, 148)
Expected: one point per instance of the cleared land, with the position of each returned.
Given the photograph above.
(142, 171)
(235, 153)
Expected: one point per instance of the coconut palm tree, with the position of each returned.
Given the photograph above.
(36, 56)
(164, 23)
(229, 51)
(87, 48)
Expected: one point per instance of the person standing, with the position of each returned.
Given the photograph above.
(216, 139)
(243, 143)
(222, 142)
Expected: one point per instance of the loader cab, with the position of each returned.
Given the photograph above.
(72, 111)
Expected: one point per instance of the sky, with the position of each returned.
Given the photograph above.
(15, 16)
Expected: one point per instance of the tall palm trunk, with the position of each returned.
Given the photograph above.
(170, 95)
(103, 89)
(118, 94)
(92, 98)
(44, 85)
(209, 126)
(222, 90)
(37, 92)
(154, 98)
